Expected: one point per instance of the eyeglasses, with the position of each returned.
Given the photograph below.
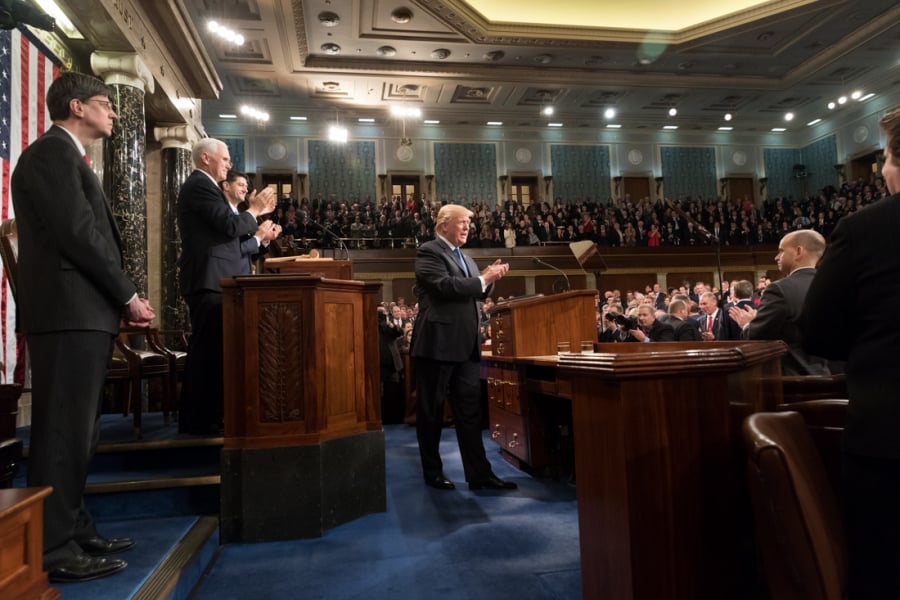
(104, 103)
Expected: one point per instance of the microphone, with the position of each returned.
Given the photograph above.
(538, 261)
(341, 244)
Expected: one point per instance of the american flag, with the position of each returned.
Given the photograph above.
(26, 70)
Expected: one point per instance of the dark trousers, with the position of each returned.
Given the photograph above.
(459, 383)
(872, 513)
(202, 392)
(68, 374)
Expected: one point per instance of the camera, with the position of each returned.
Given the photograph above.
(626, 323)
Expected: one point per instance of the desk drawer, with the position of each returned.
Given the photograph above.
(509, 431)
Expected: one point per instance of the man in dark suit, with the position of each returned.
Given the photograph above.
(778, 316)
(685, 330)
(714, 324)
(850, 314)
(651, 329)
(446, 347)
(72, 293)
(210, 251)
(235, 188)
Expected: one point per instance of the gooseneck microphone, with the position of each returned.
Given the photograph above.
(340, 241)
(538, 261)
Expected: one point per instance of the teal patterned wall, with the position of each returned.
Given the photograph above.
(779, 164)
(466, 170)
(820, 158)
(345, 171)
(580, 172)
(236, 150)
(689, 172)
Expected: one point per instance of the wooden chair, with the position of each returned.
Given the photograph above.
(799, 527)
(129, 364)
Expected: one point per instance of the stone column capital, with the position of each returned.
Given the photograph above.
(176, 136)
(122, 68)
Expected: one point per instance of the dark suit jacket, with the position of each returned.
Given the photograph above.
(210, 236)
(778, 319)
(685, 331)
(850, 312)
(69, 246)
(446, 327)
(661, 332)
(724, 327)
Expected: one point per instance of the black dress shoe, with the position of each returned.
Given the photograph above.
(84, 568)
(492, 483)
(101, 546)
(440, 482)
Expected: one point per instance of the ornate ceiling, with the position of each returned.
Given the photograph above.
(465, 62)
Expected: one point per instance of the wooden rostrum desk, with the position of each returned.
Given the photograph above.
(663, 509)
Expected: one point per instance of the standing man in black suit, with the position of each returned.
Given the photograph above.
(72, 293)
(685, 330)
(446, 347)
(860, 273)
(210, 251)
(714, 324)
(778, 316)
(235, 187)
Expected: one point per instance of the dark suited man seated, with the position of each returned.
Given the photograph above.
(651, 329)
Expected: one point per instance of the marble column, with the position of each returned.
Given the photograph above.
(176, 143)
(124, 156)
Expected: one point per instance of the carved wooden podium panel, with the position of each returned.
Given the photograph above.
(302, 406)
(22, 573)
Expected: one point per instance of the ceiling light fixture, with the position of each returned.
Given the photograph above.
(609, 113)
(495, 123)
(547, 111)
(813, 122)
(366, 120)
(554, 124)
(670, 126)
(613, 126)
(261, 116)
(725, 128)
(728, 116)
(225, 33)
(62, 21)
(431, 122)
(858, 95)
(338, 134)
(673, 111)
(789, 116)
(228, 116)
(779, 129)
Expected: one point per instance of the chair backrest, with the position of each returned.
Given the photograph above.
(799, 528)
(9, 252)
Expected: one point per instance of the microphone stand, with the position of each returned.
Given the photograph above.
(538, 261)
(340, 241)
(715, 241)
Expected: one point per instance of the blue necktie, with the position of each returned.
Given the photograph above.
(462, 263)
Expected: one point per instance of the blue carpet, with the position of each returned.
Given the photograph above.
(154, 540)
(429, 544)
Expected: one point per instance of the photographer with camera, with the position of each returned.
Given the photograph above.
(650, 329)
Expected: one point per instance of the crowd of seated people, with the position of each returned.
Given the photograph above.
(623, 222)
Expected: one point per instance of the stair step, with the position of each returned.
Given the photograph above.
(183, 567)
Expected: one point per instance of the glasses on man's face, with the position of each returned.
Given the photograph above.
(104, 103)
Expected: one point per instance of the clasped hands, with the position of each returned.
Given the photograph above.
(268, 231)
(139, 313)
(494, 271)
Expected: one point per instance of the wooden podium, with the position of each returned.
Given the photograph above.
(313, 267)
(532, 326)
(663, 510)
(304, 445)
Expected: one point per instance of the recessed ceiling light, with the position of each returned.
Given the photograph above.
(495, 122)
(856, 94)
(613, 126)
(547, 111)
(728, 116)
(297, 118)
(228, 116)
(789, 116)
(813, 122)
(554, 124)
(670, 126)
(779, 129)
(832, 105)
(725, 128)
(366, 120)
(867, 96)
(609, 113)
(673, 111)
(431, 122)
